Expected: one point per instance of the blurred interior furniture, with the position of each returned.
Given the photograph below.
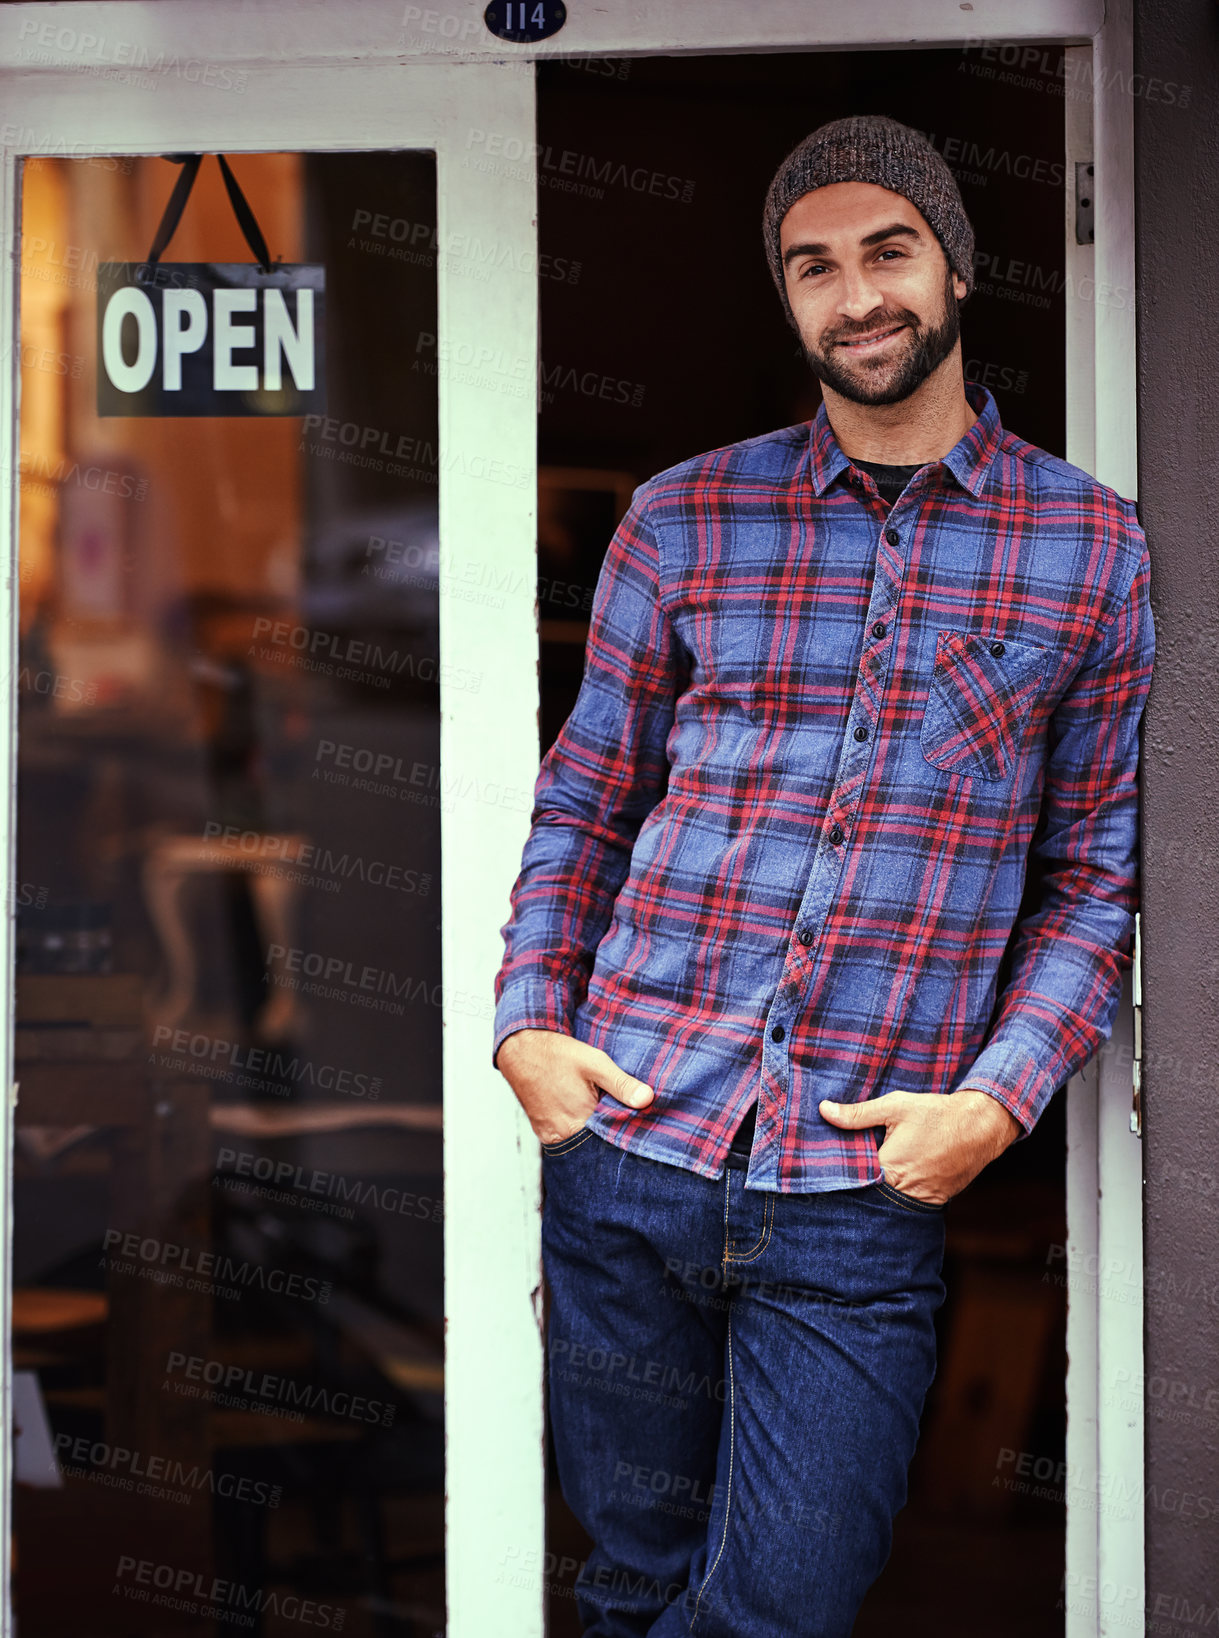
(80, 1062)
(82, 1066)
(326, 1464)
(255, 1120)
(270, 871)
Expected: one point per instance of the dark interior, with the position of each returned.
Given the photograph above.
(662, 336)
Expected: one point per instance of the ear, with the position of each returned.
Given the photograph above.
(958, 286)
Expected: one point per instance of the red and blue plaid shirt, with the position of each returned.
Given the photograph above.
(829, 767)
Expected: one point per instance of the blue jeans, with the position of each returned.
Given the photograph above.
(736, 1380)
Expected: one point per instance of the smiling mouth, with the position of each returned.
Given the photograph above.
(864, 343)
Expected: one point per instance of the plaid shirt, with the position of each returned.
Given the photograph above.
(779, 849)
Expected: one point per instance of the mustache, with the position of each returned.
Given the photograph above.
(887, 321)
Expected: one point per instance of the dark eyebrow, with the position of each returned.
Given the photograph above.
(891, 232)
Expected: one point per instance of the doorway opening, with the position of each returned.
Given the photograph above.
(661, 336)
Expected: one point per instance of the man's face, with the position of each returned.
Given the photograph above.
(871, 291)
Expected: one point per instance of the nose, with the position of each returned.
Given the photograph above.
(858, 294)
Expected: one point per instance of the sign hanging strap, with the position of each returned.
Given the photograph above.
(177, 204)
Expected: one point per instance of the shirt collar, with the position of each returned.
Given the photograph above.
(968, 460)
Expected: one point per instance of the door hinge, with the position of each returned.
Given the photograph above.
(1136, 1067)
(1085, 202)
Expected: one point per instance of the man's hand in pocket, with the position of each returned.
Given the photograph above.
(933, 1146)
(559, 1080)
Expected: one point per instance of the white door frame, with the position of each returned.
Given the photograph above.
(1105, 1589)
(380, 74)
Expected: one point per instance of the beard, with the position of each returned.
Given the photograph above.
(888, 381)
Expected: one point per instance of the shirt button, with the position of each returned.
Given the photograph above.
(997, 649)
(805, 935)
(892, 536)
(778, 1033)
(861, 733)
(878, 630)
(836, 835)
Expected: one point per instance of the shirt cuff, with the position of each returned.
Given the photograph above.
(1013, 1077)
(531, 1005)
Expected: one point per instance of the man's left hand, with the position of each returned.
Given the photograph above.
(933, 1146)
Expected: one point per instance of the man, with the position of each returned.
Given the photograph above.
(844, 683)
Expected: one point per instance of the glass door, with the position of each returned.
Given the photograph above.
(228, 1311)
(273, 540)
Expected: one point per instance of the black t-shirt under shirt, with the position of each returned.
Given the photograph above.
(890, 480)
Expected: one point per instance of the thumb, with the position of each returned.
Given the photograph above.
(626, 1088)
(871, 1112)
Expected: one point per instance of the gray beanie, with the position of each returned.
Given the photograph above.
(871, 148)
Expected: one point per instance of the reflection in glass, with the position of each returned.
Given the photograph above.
(228, 1305)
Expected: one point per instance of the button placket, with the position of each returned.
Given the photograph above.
(800, 962)
(856, 753)
(865, 706)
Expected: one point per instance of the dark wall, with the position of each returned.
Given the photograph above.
(662, 334)
(1177, 194)
(652, 177)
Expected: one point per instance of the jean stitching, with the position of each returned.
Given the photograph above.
(564, 1144)
(756, 1250)
(728, 1487)
(728, 1243)
(900, 1199)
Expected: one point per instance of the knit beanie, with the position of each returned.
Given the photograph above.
(871, 148)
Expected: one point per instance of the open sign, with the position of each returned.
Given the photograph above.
(210, 338)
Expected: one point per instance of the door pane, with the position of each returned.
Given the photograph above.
(228, 1303)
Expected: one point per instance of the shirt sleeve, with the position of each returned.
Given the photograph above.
(597, 783)
(1071, 950)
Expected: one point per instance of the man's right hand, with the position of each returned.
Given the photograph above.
(558, 1080)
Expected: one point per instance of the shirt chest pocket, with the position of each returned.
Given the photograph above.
(979, 702)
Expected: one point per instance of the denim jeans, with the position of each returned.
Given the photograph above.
(736, 1380)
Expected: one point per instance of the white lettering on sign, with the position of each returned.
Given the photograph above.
(280, 339)
(184, 313)
(185, 328)
(134, 304)
(230, 337)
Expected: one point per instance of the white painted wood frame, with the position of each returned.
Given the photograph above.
(1105, 1588)
(383, 74)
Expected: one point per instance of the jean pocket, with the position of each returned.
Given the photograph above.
(908, 1201)
(978, 705)
(562, 1145)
